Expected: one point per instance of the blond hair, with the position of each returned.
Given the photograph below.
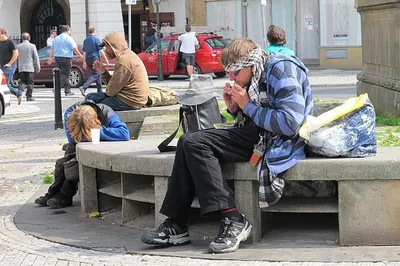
(237, 49)
(80, 121)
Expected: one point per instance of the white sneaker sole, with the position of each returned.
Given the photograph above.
(176, 240)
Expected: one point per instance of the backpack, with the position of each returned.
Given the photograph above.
(194, 118)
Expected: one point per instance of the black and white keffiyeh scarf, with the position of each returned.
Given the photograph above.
(257, 59)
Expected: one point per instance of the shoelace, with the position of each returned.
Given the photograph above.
(224, 229)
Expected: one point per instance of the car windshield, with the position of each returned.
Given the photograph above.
(44, 52)
(217, 43)
(153, 47)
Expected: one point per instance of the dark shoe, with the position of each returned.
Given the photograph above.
(167, 234)
(30, 99)
(42, 200)
(82, 91)
(231, 233)
(59, 201)
(69, 93)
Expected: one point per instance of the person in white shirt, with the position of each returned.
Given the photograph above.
(53, 34)
(188, 48)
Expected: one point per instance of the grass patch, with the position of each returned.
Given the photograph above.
(47, 179)
(387, 120)
(388, 138)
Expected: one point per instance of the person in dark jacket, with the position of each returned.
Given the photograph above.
(78, 120)
(150, 37)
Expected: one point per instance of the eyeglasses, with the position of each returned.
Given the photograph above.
(234, 73)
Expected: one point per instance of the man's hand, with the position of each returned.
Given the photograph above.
(7, 65)
(37, 71)
(50, 61)
(230, 103)
(99, 66)
(240, 96)
(84, 65)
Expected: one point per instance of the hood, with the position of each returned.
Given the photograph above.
(276, 58)
(117, 42)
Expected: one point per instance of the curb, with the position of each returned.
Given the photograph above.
(181, 87)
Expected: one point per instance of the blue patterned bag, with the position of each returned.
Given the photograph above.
(352, 135)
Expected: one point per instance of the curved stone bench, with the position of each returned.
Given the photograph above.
(134, 175)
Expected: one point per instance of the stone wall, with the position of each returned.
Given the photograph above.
(380, 76)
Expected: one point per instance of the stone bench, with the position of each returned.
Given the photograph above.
(134, 119)
(134, 175)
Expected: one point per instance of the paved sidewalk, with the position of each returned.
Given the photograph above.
(27, 150)
(318, 78)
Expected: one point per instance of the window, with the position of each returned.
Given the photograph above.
(44, 53)
(217, 43)
(175, 46)
(164, 46)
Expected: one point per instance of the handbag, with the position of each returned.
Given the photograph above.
(194, 118)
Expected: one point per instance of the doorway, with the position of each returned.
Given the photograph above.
(308, 30)
(47, 15)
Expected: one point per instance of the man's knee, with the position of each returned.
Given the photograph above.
(193, 140)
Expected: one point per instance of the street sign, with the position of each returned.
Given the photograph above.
(131, 2)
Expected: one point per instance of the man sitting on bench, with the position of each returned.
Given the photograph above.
(128, 87)
(270, 97)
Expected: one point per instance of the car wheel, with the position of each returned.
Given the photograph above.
(196, 69)
(1, 108)
(75, 78)
(48, 85)
(166, 76)
(220, 74)
(15, 83)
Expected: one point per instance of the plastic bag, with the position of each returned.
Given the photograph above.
(350, 133)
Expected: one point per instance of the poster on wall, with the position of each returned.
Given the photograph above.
(308, 21)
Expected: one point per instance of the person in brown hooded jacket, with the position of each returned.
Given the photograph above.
(128, 87)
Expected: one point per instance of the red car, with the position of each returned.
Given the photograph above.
(207, 56)
(78, 74)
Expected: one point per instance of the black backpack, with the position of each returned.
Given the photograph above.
(193, 118)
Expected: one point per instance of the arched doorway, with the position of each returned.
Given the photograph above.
(47, 15)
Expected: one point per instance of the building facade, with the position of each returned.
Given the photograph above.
(322, 32)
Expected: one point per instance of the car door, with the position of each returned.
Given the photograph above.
(45, 75)
(172, 57)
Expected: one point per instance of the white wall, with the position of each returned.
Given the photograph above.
(176, 6)
(9, 16)
(105, 15)
(339, 17)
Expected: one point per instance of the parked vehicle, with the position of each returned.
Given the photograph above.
(78, 74)
(207, 56)
(5, 94)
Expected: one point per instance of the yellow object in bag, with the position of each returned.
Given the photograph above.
(314, 123)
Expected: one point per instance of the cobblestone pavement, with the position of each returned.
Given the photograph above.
(28, 150)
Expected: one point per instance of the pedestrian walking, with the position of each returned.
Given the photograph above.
(28, 63)
(63, 49)
(188, 49)
(8, 56)
(92, 50)
(53, 34)
(277, 39)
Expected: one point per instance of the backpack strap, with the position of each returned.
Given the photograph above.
(163, 147)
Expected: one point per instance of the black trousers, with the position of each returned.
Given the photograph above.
(66, 176)
(65, 64)
(26, 80)
(197, 169)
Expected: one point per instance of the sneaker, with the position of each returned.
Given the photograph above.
(82, 91)
(42, 200)
(167, 234)
(59, 201)
(231, 233)
(30, 99)
(69, 93)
